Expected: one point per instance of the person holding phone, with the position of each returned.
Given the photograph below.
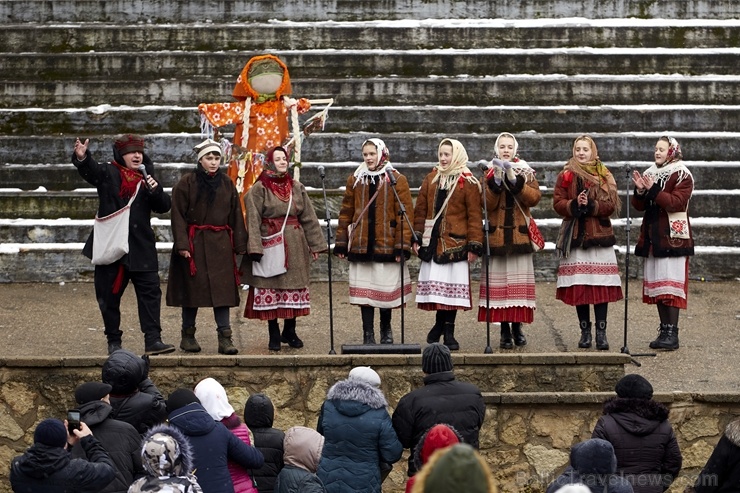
(47, 466)
(585, 196)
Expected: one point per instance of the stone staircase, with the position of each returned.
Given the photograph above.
(408, 72)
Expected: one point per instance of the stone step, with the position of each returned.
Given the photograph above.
(65, 263)
(60, 177)
(423, 34)
(128, 12)
(329, 147)
(82, 204)
(515, 90)
(308, 64)
(724, 232)
(106, 119)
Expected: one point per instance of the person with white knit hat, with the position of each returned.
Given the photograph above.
(207, 232)
(369, 236)
(508, 296)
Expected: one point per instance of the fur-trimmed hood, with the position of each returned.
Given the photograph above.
(166, 452)
(638, 416)
(351, 397)
(732, 432)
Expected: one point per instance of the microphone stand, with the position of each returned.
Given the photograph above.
(328, 261)
(403, 216)
(486, 254)
(628, 226)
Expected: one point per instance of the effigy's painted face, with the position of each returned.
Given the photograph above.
(266, 76)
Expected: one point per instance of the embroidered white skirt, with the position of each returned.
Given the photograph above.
(444, 285)
(378, 284)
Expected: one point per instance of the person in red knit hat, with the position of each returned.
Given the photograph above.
(438, 437)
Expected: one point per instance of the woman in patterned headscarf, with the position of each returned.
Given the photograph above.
(276, 200)
(448, 223)
(585, 196)
(666, 244)
(374, 246)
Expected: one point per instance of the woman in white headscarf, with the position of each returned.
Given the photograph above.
(448, 223)
(369, 236)
(508, 297)
(663, 193)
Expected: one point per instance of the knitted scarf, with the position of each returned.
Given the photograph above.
(129, 179)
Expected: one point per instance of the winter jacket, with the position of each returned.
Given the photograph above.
(437, 437)
(134, 398)
(592, 228)
(458, 230)
(721, 473)
(301, 239)
(168, 462)
(508, 228)
(45, 469)
(142, 256)
(121, 440)
(302, 454)
(594, 464)
(214, 282)
(655, 232)
(377, 236)
(240, 477)
(442, 399)
(646, 448)
(358, 435)
(259, 414)
(213, 446)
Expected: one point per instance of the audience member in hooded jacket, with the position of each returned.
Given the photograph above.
(133, 396)
(665, 188)
(168, 461)
(638, 428)
(47, 466)
(456, 468)
(213, 398)
(120, 439)
(358, 434)
(259, 415)
(438, 437)
(442, 399)
(214, 446)
(510, 190)
(593, 464)
(721, 473)
(369, 236)
(302, 455)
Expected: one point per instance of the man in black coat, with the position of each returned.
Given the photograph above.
(47, 466)
(120, 439)
(442, 400)
(117, 182)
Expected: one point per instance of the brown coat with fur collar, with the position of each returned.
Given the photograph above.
(508, 228)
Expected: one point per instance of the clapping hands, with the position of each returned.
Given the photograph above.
(643, 183)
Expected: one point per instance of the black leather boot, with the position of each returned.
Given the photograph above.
(585, 341)
(516, 331)
(368, 322)
(670, 339)
(153, 344)
(506, 342)
(601, 343)
(436, 332)
(114, 341)
(449, 337)
(289, 336)
(273, 329)
(657, 343)
(386, 333)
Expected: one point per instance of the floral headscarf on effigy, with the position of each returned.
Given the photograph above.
(519, 165)
(280, 184)
(457, 170)
(673, 164)
(594, 175)
(362, 174)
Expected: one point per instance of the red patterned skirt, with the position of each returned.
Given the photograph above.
(269, 303)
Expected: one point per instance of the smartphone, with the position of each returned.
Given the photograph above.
(73, 420)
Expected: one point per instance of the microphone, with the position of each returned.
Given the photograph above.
(483, 165)
(321, 172)
(142, 169)
(392, 178)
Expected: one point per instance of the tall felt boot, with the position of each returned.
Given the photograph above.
(506, 342)
(670, 340)
(368, 324)
(436, 332)
(273, 329)
(187, 341)
(225, 344)
(601, 343)
(516, 330)
(658, 342)
(585, 341)
(386, 333)
(289, 334)
(449, 337)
